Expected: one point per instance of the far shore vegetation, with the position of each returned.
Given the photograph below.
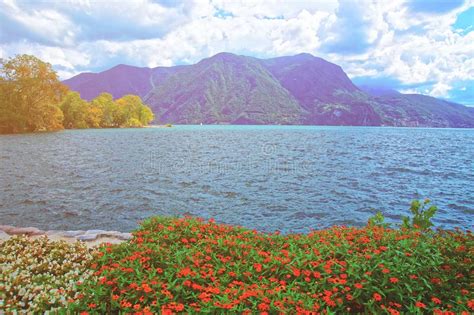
(32, 99)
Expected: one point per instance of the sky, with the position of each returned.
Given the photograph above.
(414, 46)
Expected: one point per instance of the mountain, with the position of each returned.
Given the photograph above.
(119, 81)
(323, 89)
(300, 89)
(415, 110)
(225, 89)
(379, 91)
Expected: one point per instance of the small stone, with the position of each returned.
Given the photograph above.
(26, 231)
(87, 237)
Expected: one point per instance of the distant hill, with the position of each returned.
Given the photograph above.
(300, 89)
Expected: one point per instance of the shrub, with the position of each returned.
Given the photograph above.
(422, 213)
(189, 265)
(40, 275)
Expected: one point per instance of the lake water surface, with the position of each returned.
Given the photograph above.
(285, 178)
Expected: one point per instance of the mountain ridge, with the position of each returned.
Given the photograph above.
(300, 89)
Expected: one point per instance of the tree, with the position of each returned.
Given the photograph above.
(30, 94)
(94, 116)
(76, 111)
(146, 115)
(105, 103)
(132, 112)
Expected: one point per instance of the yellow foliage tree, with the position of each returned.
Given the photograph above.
(30, 92)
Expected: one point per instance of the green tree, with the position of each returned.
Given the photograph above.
(30, 94)
(75, 110)
(105, 103)
(94, 116)
(146, 115)
(132, 112)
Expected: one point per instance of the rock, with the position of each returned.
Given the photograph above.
(53, 232)
(6, 228)
(87, 237)
(98, 232)
(124, 236)
(4, 236)
(72, 233)
(26, 231)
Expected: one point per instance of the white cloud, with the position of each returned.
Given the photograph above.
(387, 39)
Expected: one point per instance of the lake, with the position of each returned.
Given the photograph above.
(286, 178)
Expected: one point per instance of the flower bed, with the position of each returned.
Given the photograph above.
(38, 275)
(189, 265)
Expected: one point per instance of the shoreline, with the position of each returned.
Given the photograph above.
(89, 237)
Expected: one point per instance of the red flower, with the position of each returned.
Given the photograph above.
(377, 297)
(385, 270)
(420, 304)
(393, 280)
(436, 280)
(470, 304)
(146, 288)
(358, 285)
(258, 267)
(296, 272)
(436, 300)
(263, 307)
(92, 305)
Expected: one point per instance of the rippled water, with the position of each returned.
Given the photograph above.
(264, 177)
